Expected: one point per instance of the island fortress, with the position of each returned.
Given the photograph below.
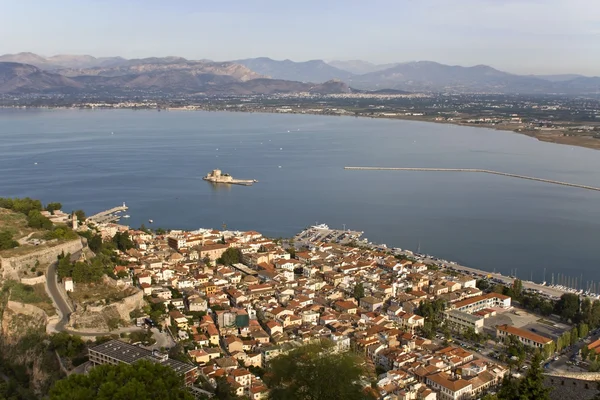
(217, 176)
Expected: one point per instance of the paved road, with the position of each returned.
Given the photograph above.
(65, 311)
(163, 339)
(548, 291)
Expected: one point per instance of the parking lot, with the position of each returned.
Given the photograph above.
(525, 320)
(324, 234)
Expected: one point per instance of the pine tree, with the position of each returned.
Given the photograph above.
(531, 386)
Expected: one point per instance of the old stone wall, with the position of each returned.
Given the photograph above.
(27, 309)
(581, 386)
(33, 281)
(96, 318)
(10, 268)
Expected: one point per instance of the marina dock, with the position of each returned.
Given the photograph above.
(107, 216)
(484, 171)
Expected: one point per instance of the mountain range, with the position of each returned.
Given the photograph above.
(31, 73)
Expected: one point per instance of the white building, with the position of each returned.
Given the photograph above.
(68, 282)
(462, 320)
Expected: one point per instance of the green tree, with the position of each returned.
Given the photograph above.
(53, 207)
(95, 243)
(122, 241)
(546, 308)
(433, 313)
(66, 345)
(230, 256)
(532, 386)
(224, 389)
(142, 380)
(567, 306)
(160, 231)
(585, 352)
(23, 206)
(7, 241)
(483, 284)
(359, 291)
(315, 372)
(64, 268)
(594, 320)
(584, 330)
(80, 215)
(35, 219)
(509, 390)
(517, 288)
(574, 336)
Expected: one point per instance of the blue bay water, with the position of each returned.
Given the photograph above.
(155, 163)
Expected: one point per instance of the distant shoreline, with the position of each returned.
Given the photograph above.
(553, 136)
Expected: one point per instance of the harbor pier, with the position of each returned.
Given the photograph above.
(111, 215)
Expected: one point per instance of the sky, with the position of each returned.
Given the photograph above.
(519, 36)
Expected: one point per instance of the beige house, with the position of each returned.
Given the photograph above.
(212, 251)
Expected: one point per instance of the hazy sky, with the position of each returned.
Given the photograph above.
(521, 36)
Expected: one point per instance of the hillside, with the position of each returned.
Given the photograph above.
(359, 67)
(28, 73)
(171, 75)
(431, 76)
(61, 60)
(24, 78)
(169, 66)
(308, 71)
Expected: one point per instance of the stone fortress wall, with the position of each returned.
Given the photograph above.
(573, 386)
(10, 268)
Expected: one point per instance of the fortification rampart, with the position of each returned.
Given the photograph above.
(11, 268)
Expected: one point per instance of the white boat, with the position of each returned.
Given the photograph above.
(125, 216)
(320, 226)
(150, 221)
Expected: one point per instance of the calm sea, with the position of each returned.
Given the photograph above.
(154, 161)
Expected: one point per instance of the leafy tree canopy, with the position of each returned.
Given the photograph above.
(122, 241)
(359, 291)
(53, 207)
(7, 241)
(231, 256)
(315, 372)
(23, 206)
(80, 215)
(142, 380)
(567, 306)
(35, 219)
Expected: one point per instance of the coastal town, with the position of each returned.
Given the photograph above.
(565, 120)
(232, 301)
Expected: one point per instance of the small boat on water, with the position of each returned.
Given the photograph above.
(125, 216)
(151, 221)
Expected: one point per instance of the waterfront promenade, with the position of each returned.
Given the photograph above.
(484, 171)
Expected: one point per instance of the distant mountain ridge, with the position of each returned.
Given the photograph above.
(305, 71)
(359, 67)
(151, 75)
(177, 74)
(61, 60)
(24, 78)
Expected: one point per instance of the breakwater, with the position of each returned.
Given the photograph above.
(483, 171)
(108, 215)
